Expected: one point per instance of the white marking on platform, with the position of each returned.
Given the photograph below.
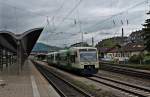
(34, 87)
(52, 92)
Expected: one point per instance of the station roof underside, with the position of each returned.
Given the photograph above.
(26, 40)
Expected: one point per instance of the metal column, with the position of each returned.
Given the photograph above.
(19, 56)
(1, 64)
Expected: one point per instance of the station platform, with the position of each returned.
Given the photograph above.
(29, 83)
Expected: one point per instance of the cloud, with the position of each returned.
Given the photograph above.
(92, 16)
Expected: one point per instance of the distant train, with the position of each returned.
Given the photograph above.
(83, 60)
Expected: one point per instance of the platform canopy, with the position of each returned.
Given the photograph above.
(18, 45)
(24, 41)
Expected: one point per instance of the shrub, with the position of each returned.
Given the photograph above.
(147, 59)
(136, 59)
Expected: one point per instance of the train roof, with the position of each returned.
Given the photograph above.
(70, 49)
(52, 53)
(83, 48)
(61, 51)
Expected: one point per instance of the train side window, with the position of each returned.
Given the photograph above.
(75, 54)
(57, 57)
(72, 57)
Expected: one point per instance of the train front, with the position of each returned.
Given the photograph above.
(89, 60)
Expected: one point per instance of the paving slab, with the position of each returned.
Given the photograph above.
(29, 83)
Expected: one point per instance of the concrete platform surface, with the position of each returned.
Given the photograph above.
(29, 83)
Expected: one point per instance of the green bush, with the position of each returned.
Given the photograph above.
(133, 59)
(136, 59)
(147, 59)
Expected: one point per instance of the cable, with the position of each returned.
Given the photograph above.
(112, 16)
(100, 22)
(117, 14)
(52, 19)
(70, 12)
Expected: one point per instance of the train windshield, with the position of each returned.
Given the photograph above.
(88, 56)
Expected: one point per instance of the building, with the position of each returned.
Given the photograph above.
(122, 48)
(136, 37)
(102, 51)
(125, 52)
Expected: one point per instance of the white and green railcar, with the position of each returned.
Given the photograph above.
(51, 58)
(83, 60)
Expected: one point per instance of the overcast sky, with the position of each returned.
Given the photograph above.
(64, 20)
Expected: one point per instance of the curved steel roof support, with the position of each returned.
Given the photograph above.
(21, 44)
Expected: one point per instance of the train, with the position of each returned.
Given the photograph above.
(82, 60)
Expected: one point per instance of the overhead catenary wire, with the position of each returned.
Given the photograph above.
(47, 27)
(69, 13)
(52, 19)
(66, 18)
(110, 18)
(57, 11)
(120, 13)
(127, 21)
(115, 15)
(30, 12)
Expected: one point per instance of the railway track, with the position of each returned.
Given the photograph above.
(62, 86)
(131, 89)
(126, 71)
